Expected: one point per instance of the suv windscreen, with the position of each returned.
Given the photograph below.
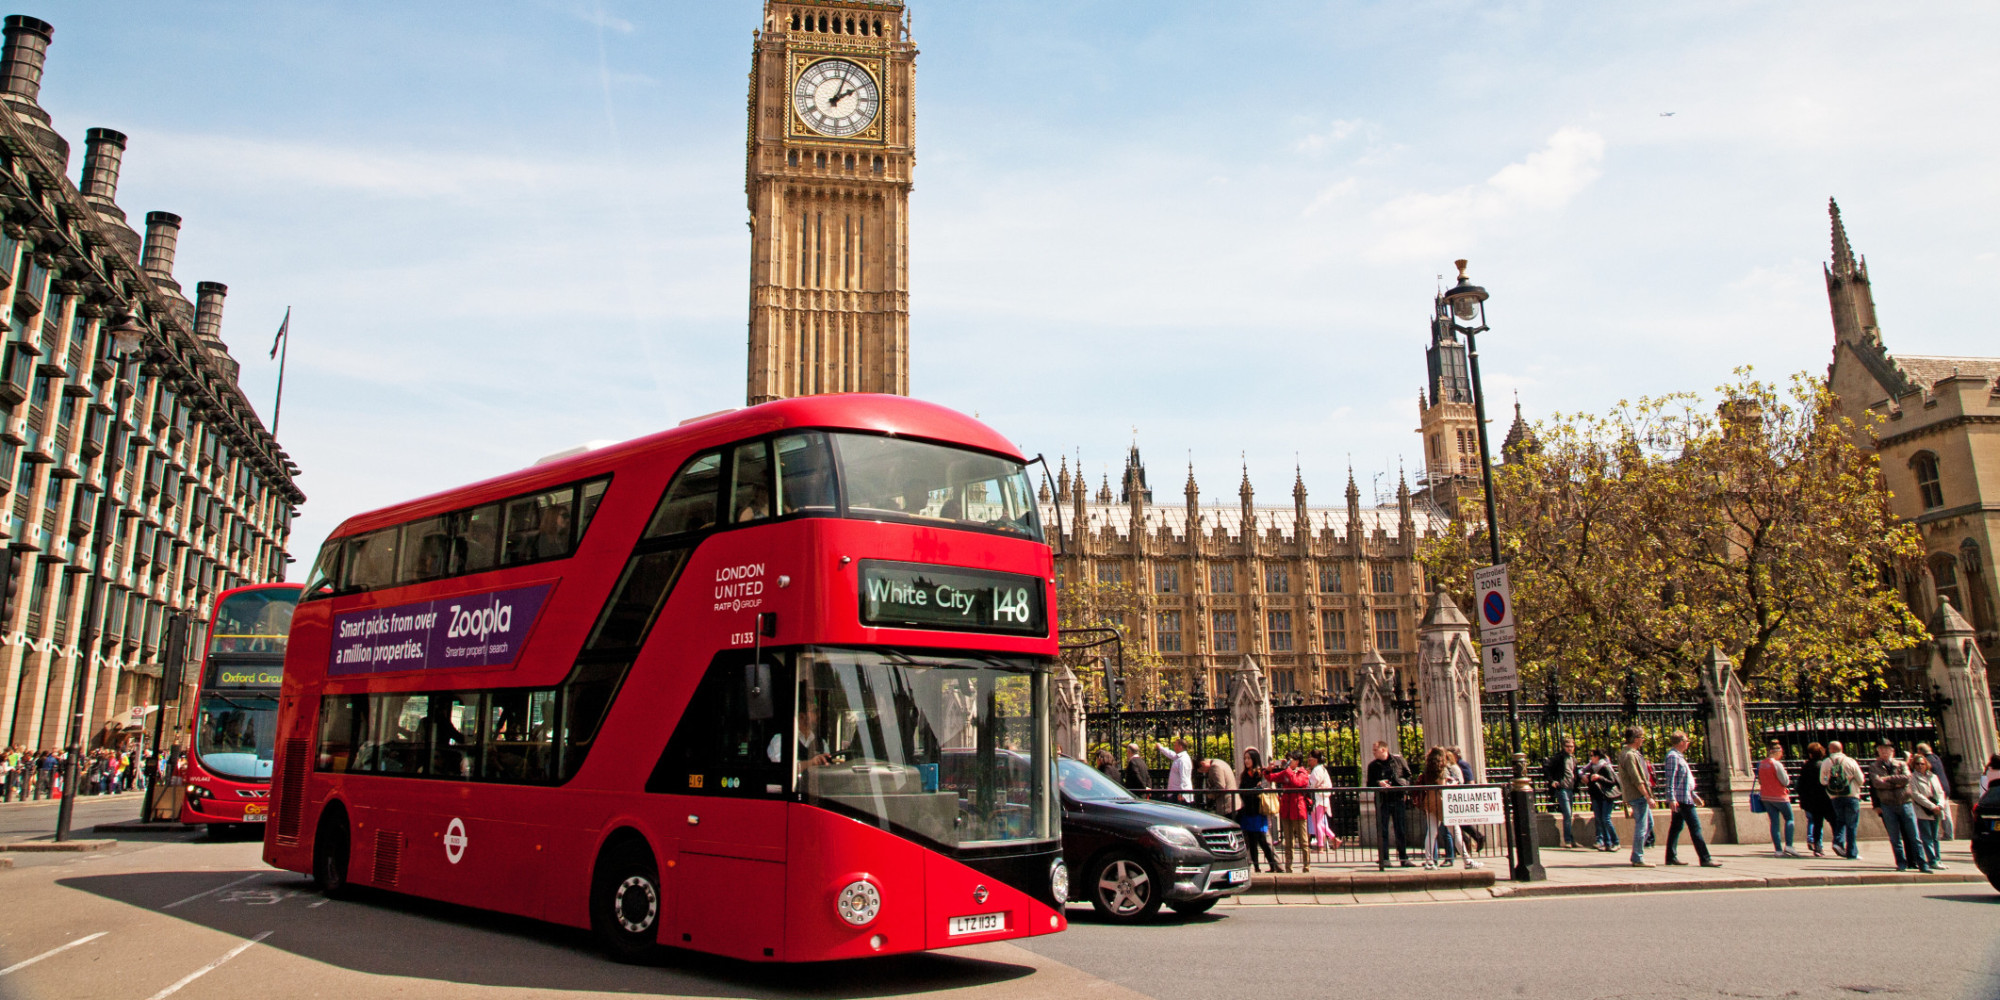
(1084, 783)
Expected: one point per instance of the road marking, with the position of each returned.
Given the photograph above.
(52, 951)
(210, 967)
(315, 906)
(211, 892)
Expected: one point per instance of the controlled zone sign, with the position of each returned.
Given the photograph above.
(1473, 807)
(1494, 603)
(1498, 668)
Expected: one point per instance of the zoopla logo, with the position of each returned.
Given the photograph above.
(479, 623)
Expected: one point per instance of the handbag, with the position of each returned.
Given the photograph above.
(1756, 802)
(1267, 803)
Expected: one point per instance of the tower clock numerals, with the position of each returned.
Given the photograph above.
(836, 98)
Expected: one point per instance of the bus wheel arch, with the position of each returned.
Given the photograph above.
(333, 850)
(627, 898)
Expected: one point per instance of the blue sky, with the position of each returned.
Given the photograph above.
(508, 229)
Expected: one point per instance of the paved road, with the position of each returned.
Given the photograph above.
(27, 820)
(165, 908)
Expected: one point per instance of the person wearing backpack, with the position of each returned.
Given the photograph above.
(1841, 777)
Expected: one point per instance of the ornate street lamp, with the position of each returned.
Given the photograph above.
(1467, 304)
(126, 337)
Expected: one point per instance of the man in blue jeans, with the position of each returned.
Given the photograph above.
(1559, 772)
(1635, 780)
(1889, 780)
(1684, 803)
(1841, 777)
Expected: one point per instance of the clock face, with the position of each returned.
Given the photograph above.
(836, 98)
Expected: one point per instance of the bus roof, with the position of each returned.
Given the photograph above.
(880, 413)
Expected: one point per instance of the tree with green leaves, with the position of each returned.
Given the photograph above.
(1637, 540)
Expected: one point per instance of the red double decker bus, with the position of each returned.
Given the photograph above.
(227, 771)
(773, 684)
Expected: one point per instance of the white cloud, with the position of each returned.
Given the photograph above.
(1330, 194)
(1335, 133)
(1422, 224)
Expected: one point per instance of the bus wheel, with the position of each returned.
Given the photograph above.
(1123, 889)
(625, 901)
(330, 855)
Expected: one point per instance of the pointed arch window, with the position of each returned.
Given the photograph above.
(1944, 575)
(1978, 598)
(1925, 465)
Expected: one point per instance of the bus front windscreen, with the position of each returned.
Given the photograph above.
(952, 750)
(903, 480)
(253, 622)
(234, 736)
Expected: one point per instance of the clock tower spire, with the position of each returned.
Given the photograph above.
(830, 150)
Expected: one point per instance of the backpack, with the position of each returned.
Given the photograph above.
(1836, 781)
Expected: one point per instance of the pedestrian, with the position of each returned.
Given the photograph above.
(1320, 827)
(45, 775)
(1775, 789)
(1180, 771)
(1684, 803)
(1293, 809)
(1635, 783)
(1841, 777)
(1440, 771)
(1927, 797)
(1559, 776)
(1600, 782)
(1889, 784)
(1220, 779)
(1947, 825)
(1106, 764)
(7, 763)
(1388, 773)
(1255, 813)
(1813, 801)
(1992, 774)
(1467, 834)
(1138, 777)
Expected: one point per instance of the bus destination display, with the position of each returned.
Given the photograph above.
(235, 674)
(915, 595)
(475, 630)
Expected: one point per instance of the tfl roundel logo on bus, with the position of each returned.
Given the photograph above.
(473, 630)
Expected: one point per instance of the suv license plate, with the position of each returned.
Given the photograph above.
(984, 923)
(1238, 876)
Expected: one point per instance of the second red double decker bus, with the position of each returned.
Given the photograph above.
(227, 773)
(773, 684)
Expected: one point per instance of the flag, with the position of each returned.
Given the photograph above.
(284, 330)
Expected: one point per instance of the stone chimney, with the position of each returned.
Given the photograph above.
(26, 50)
(208, 297)
(103, 153)
(163, 234)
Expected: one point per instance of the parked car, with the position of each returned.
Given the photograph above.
(1985, 835)
(1131, 855)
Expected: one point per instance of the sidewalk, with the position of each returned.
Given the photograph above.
(1577, 872)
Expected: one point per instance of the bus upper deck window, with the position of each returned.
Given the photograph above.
(476, 539)
(325, 577)
(805, 475)
(538, 527)
(690, 500)
(371, 560)
(593, 494)
(751, 489)
(426, 549)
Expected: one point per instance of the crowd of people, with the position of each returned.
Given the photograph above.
(27, 774)
(1911, 794)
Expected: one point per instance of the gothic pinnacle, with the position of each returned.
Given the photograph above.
(1843, 252)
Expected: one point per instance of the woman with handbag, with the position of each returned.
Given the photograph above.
(1259, 807)
(1439, 769)
(1774, 795)
(1927, 795)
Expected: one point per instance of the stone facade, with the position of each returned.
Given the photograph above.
(1305, 590)
(202, 498)
(829, 201)
(1939, 445)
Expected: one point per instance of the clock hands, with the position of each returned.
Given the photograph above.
(837, 98)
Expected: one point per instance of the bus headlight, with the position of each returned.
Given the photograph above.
(1059, 881)
(859, 902)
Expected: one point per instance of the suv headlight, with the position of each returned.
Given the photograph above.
(1174, 836)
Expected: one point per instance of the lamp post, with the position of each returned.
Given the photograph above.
(1467, 303)
(126, 335)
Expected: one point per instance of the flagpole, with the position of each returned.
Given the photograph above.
(284, 351)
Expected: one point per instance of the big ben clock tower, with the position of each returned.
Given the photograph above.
(831, 144)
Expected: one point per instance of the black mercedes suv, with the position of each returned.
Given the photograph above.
(1132, 855)
(1985, 834)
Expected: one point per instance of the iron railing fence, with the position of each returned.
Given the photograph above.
(1352, 816)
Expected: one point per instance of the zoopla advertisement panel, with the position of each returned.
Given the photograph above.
(471, 630)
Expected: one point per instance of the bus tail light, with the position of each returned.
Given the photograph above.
(859, 902)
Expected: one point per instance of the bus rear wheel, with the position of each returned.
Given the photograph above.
(330, 855)
(626, 901)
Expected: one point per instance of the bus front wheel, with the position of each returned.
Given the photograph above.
(626, 901)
